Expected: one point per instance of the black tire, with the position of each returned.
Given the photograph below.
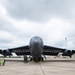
(30, 59)
(25, 58)
(42, 59)
(70, 56)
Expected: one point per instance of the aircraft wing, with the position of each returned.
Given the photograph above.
(54, 51)
(24, 50)
(49, 50)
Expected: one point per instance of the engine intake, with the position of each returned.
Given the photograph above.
(73, 51)
(6, 52)
(69, 51)
(0, 51)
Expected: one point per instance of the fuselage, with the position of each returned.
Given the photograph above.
(36, 48)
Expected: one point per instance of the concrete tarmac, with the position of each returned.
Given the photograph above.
(51, 66)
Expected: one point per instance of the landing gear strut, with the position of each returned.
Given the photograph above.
(42, 59)
(45, 57)
(70, 56)
(30, 57)
(25, 58)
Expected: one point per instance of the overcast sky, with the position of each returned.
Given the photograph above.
(52, 20)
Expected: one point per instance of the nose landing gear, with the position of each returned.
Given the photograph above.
(33, 59)
(37, 59)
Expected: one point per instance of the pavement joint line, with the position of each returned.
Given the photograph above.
(42, 69)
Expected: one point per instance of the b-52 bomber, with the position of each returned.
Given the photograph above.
(37, 50)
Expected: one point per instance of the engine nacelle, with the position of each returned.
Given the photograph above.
(73, 51)
(0, 51)
(6, 52)
(69, 51)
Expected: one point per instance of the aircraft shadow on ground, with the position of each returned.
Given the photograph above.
(59, 61)
(43, 61)
(14, 60)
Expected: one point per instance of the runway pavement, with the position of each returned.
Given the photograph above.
(51, 66)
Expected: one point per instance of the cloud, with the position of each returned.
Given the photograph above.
(39, 10)
(5, 21)
(49, 19)
(7, 29)
(53, 32)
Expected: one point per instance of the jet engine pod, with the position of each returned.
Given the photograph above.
(69, 51)
(0, 51)
(73, 51)
(6, 52)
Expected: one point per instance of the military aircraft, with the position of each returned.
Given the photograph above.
(37, 50)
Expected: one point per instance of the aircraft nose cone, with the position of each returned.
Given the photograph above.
(35, 42)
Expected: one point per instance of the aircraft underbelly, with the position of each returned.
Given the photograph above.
(36, 51)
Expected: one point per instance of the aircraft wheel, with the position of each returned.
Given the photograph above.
(70, 56)
(42, 59)
(25, 58)
(30, 59)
